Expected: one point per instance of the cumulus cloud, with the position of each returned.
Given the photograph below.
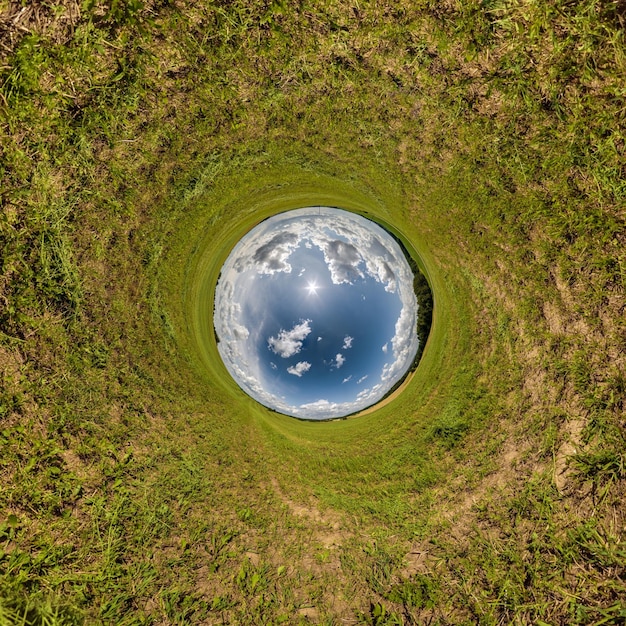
(299, 368)
(319, 407)
(373, 394)
(289, 342)
(325, 409)
(345, 380)
(242, 370)
(270, 257)
(381, 270)
(240, 332)
(404, 344)
(347, 342)
(358, 382)
(386, 347)
(339, 360)
(380, 262)
(343, 260)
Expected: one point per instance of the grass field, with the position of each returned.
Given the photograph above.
(140, 140)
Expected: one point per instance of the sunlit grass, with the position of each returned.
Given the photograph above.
(140, 141)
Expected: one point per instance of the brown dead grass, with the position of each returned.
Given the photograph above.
(56, 22)
(11, 363)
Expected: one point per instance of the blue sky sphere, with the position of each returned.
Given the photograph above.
(315, 313)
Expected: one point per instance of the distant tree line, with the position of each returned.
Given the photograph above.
(424, 311)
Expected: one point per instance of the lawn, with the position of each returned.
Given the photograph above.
(139, 140)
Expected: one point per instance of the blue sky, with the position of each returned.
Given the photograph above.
(315, 313)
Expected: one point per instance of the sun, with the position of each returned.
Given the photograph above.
(312, 287)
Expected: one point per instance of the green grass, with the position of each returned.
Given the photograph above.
(139, 141)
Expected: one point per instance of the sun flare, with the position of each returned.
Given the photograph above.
(312, 288)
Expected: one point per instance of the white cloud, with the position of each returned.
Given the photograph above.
(299, 368)
(379, 268)
(358, 382)
(272, 256)
(343, 260)
(324, 409)
(347, 342)
(404, 345)
(289, 342)
(319, 407)
(345, 380)
(373, 394)
(339, 360)
(386, 347)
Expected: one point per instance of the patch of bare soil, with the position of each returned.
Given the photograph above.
(305, 542)
(418, 560)
(328, 528)
(513, 462)
(572, 431)
(326, 533)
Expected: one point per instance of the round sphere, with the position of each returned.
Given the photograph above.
(315, 313)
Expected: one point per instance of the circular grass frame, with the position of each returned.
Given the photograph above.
(235, 202)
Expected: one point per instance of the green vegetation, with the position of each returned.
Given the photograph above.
(139, 140)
